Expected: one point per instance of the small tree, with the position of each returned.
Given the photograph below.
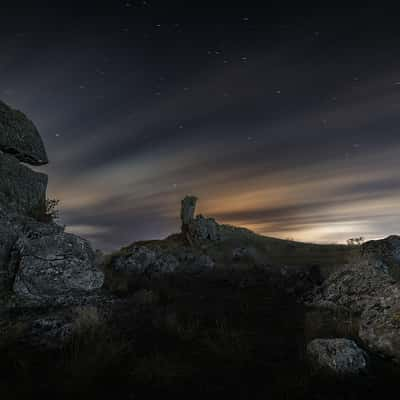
(356, 255)
(358, 241)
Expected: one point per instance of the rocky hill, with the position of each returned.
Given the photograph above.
(212, 310)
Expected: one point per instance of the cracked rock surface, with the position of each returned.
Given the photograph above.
(38, 260)
(54, 264)
(19, 137)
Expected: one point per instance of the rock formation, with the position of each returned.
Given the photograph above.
(188, 209)
(21, 189)
(341, 357)
(19, 137)
(368, 291)
(38, 261)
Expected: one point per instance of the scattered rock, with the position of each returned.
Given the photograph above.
(152, 260)
(340, 357)
(145, 261)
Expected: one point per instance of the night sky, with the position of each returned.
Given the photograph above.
(283, 120)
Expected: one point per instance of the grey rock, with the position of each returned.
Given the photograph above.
(153, 260)
(340, 357)
(19, 136)
(380, 324)
(354, 288)
(21, 189)
(188, 209)
(204, 229)
(366, 291)
(52, 263)
(386, 252)
(146, 261)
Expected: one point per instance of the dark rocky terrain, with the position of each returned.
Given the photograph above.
(213, 310)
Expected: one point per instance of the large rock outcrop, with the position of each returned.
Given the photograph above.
(19, 136)
(385, 251)
(38, 260)
(21, 189)
(152, 260)
(368, 290)
(353, 288)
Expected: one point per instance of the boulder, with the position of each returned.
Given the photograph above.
(353, 288)
(380, 324)
(366, 291)
(385, 251)
(51, 263)
(19, 136)
(21, 189)
(340, 357)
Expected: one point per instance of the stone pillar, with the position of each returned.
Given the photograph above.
(188, 209)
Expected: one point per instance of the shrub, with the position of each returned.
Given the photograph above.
(47, 212)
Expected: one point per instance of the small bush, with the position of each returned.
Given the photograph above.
(47, 212)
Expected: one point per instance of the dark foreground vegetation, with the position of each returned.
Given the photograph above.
(217, 335)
